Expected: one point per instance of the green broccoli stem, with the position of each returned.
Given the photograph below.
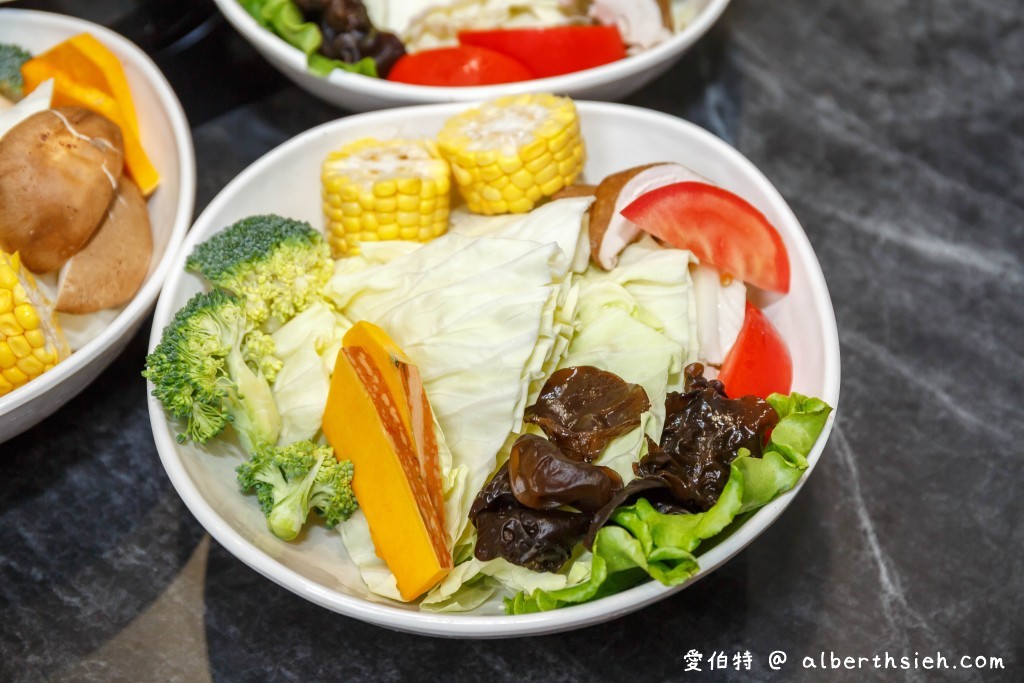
(289, 513)
(255, 417)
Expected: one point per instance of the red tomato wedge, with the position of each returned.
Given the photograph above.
(552, 51)
(759, 362)
(719, 227)
(458, 66)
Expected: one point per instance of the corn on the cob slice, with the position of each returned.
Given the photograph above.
(30, 339)
(384, 190)
(510, 153)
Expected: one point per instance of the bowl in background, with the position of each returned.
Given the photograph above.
(168, 142)
(358, 93)
(286, 181)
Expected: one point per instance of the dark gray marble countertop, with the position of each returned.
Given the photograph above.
(896, 132)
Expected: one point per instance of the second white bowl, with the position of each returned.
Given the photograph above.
(354, 92)
(167, 139)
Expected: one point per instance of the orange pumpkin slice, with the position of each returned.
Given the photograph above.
(86, 74)
(378, 417)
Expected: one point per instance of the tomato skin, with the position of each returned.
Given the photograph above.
(458, 66)
(719, 227)
(552, 51)
(759, 362)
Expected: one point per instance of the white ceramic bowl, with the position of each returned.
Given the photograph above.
(286, 181)
(168, 141)
(610, 82)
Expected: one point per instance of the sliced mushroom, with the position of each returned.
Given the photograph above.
(666, 13)
(578, 190)
(112, 265)
(642, 23)
(59, 169)
(721, 304)
(610, 232)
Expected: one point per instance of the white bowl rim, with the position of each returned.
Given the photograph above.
(140, 305)
(566, 83)
(468, 625)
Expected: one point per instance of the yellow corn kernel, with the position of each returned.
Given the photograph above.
(30, 339)
(7, 357)
(31, 366)
(384, 190)
(9, 326)
(530, 142)
(8, 273)
(20, 346)
(26, 316)
(15, 376)
(45, 355)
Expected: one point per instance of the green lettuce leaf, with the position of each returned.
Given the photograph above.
(285, 19)
(801, 420)
(641, 542)
(321, 65)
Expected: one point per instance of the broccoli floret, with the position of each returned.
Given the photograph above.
(258, 350)
(200, 375)
(12, 86)
(278, 266)
(292, 480)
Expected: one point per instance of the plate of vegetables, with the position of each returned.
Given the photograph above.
(373, 54)
(97, 186)
(493, 370)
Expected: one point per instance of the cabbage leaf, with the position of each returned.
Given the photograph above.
(620, 328)
(307, 346)
(637, 321)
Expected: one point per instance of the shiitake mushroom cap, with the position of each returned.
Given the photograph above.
(112, 265)
(59, 170)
